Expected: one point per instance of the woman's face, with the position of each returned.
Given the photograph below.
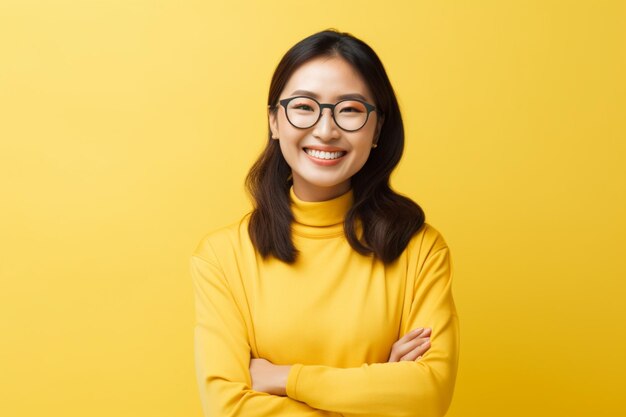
(315, 178)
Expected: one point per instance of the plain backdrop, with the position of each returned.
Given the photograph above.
(127, 128)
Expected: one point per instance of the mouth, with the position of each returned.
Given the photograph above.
(324, 154)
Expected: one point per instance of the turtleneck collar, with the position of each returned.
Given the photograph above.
(320, 218)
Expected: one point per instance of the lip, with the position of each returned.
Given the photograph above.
(324, 162)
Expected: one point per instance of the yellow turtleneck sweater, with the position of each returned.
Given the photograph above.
(333, 315)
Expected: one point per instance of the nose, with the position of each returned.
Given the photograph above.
(325, 128)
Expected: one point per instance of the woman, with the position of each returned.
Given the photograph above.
(333, 297)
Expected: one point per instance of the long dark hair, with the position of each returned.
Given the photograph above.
(388, 219)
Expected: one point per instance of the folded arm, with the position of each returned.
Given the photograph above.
(222, 353)
(421, 388)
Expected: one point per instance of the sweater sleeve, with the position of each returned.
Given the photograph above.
(222, 353)
(420, 388)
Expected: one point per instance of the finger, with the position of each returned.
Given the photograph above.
(417, 352)
(411, 340)
(416, 337)
(411, 335)
(402, 350)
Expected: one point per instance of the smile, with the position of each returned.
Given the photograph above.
(324, 155)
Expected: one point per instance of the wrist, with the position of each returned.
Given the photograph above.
(283, 375)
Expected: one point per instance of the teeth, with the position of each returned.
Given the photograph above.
(324, 154)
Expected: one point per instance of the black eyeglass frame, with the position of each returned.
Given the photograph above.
(369, 107)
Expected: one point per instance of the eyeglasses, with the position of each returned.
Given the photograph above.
(350, 115)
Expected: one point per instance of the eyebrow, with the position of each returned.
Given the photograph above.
(340, 97)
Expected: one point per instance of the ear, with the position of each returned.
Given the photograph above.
(379, 125)
(273, 122)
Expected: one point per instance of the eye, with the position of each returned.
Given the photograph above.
(305, 107)
(351, 110)
(351, 107)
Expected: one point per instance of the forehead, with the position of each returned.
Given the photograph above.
(328, 78)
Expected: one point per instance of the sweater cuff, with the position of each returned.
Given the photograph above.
(292, 381)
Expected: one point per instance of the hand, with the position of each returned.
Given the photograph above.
(412, 346)
(269, 378)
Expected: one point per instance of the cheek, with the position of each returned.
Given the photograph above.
(283, 123)
(289, 148)
(361, 154)
(285, 149)
(363, 145)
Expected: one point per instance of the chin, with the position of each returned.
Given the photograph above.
(324, 182)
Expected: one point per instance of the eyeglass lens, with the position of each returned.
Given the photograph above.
(304, 112)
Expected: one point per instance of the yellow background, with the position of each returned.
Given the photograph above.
(127, 128)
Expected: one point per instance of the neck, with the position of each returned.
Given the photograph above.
(320, 217)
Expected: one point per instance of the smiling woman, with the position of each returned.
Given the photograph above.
(333, 296)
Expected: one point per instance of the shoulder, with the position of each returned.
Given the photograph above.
(428, 255)
(223, 239)
(427, 240)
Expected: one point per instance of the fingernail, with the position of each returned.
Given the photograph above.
(418, 330)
